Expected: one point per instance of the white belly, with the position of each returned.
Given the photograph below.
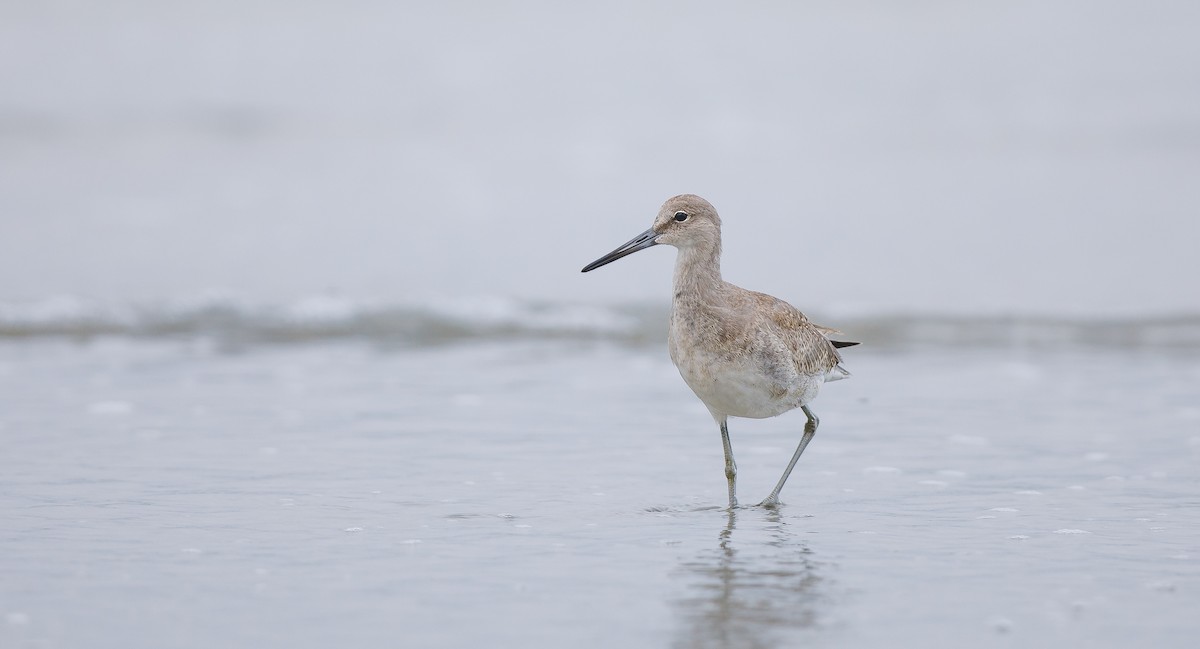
(740, 388)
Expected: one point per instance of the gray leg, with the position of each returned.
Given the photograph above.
(730, 466)
(810, 429)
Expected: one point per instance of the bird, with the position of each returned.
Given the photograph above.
(743, 353)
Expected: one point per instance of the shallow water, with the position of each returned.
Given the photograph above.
(175, 493)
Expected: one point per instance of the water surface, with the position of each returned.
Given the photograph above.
(177, 492)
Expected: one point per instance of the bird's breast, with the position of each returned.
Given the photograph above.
(737, 374)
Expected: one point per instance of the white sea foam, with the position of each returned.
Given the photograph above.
(226, 316)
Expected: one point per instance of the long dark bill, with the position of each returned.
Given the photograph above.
(640, 242)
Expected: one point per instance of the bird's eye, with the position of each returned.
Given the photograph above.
(681, 216)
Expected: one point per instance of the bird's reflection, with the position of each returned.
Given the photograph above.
(758, 583)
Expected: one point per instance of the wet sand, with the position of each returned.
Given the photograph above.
(170, 494)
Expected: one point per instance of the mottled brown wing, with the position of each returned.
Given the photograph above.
(811, 350)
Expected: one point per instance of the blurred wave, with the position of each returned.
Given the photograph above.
(449, 321)
(321, 317)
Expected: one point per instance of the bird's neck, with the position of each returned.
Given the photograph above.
(697, 270)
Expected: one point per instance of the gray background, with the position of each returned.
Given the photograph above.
(983, 157)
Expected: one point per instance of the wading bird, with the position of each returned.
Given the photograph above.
(745, 354)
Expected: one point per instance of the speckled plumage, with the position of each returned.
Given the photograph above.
(748, 354)
(745, 354)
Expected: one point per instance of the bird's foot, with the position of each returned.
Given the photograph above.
(771, 502)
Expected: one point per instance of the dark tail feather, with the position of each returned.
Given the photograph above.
(838, 344)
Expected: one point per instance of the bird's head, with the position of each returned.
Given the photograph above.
(684, 221)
